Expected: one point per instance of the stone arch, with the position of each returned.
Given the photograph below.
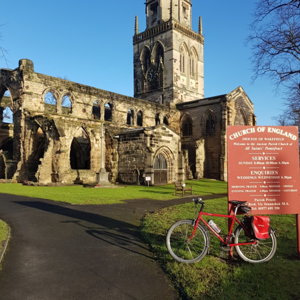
(166, 120)
(80, 151)
(139, 118)
(39, 146)
(96, 110)
(163, 166)
(6, 106)
(66, 104)
(158, 54)
(145, 59)
(130, 117)
(108, 112)
(50, 101)
(157, 119)
(186, 125)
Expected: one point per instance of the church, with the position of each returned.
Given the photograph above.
(54, 131)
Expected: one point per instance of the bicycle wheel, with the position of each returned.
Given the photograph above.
(260, 252)
(182, 246)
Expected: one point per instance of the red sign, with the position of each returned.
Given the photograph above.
(263, 168)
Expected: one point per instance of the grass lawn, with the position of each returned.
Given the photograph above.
(4, 232)
(215, 277)
(84, 195)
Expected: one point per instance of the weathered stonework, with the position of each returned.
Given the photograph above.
(54, 131)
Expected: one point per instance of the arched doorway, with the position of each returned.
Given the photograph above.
(160, 170)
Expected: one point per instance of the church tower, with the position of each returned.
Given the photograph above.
(168, 55)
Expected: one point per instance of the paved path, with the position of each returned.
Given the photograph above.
(61, 252)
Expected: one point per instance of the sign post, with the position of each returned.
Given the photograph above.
(263, 169)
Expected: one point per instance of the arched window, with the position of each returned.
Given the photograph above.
(66, 104)
(183, 59)
(96, 110)
(139, 118)
(160, 163)
(146, 59)
(187, 126)
(210, 126)
(194, 63)
(130, 117)
(159, 55)
(50, 102)
(7, 115)
(166, 120)
(108, 112)
(157, 119)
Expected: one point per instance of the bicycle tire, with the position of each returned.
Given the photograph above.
(183, 249)
(261, 252)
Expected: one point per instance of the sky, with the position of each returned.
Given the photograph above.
(90, 42)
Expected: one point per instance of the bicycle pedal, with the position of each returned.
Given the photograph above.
(225, 248)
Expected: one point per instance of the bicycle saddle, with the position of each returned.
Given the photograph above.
(237, 202)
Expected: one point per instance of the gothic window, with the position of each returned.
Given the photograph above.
(187, 126)
(7, 115)
(96, 110)
(210, 126)
(130, 117)
(157, 119)
(160, 163)
(108, 112)
(146, 59)
(183, 59)
(159, 55)
(193, 64)
(50, 102)
(66, 104)
(139, 118)
(166, 120)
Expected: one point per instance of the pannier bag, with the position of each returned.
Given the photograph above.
(261, 227)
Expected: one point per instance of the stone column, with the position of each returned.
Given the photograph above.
(103, 174)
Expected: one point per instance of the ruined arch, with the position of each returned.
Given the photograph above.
(6, 106)
(66, 104)
(139, 118)
(39, 146)
(130, 117)
(186, 125)
(96, 110)
(80, 151)
(50, 101)
(108, 112)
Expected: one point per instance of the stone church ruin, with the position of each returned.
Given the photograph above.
(54, 131)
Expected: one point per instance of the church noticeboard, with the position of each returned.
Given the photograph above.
(263, 168)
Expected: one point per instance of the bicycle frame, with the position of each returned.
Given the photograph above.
(226, 241)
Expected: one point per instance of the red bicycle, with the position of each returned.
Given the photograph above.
(188, 241)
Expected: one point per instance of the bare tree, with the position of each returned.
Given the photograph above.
(275, 43)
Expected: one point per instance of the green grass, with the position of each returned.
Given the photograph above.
(4, 232)
(215, 277)
(85, 195)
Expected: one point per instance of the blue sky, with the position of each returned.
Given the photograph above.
(90, 42)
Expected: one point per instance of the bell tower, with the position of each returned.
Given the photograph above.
(168, 55)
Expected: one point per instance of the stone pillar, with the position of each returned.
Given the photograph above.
(103, 174)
